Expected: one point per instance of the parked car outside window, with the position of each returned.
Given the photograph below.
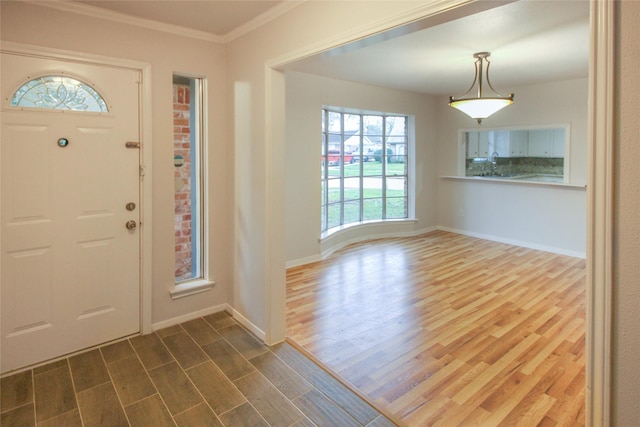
(334, 158)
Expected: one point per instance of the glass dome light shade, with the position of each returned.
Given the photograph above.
(480, 108)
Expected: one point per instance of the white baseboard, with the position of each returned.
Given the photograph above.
(529, 245)
(302, 261)
(189, 316)
(215, 309)
(259, 333)
(341, 244)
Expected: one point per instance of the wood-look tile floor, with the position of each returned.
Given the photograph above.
(205, 372)
(448, 330)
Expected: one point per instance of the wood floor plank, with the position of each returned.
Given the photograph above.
(246, 344)
(218, 320)
(16, 390)
(151, 350)
(200, 415)
(424, 387)
(201, 332)
(177, 392)
(243, 416)
(54, 393)
(228, 359)
(19, 416)
(289, 382)
(431, 327)
(274, 407)
(68, 419)
(130, 380)
(88, 370)
(116, 351)
(215, 387)
(184, 349)
(338, 393)
(99, 406)
(149, 412)
(535, 413)
(323, 411)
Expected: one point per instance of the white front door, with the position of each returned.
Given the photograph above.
(70, 266)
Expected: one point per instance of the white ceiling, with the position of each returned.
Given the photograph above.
(531, 41)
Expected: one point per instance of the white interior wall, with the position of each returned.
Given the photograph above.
(28, 23)
(546, 217)
(259, 220)
(305, 96)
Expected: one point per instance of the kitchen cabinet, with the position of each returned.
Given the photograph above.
(546, 142)
(477, 144)
(557, 148)
(539, 142)
(519, 143)
(515, 143)
(511, 143)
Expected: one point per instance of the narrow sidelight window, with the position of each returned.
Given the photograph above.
(188, 156)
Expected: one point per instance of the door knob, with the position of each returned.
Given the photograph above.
(131, 225)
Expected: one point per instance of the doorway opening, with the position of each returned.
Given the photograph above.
(599, 128)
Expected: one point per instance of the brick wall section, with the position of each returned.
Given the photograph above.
(182, 175)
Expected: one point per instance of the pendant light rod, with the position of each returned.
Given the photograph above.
(482, 56)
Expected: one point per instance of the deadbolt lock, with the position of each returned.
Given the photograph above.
(131, 225)
(130, 206)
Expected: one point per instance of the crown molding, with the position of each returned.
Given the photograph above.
(109, 15)
(262, 19)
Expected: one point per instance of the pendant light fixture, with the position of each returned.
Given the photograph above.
(481, 107)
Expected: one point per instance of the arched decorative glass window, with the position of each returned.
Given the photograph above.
(59, 93)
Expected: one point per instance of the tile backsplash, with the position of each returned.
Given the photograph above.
(516, 166)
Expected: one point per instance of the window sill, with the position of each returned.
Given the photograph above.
(512, 181)
(191, 288)
(367, 224)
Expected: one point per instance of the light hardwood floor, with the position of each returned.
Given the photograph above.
(448, 330)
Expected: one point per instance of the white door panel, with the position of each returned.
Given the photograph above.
(70, 267)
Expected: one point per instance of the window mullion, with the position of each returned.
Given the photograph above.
(326, 171)
(341, 167)
(198, 180)
(383, 158)
(361, 161)
(325, 174)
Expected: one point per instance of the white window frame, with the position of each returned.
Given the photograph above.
(324, 229)
(202, 281)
